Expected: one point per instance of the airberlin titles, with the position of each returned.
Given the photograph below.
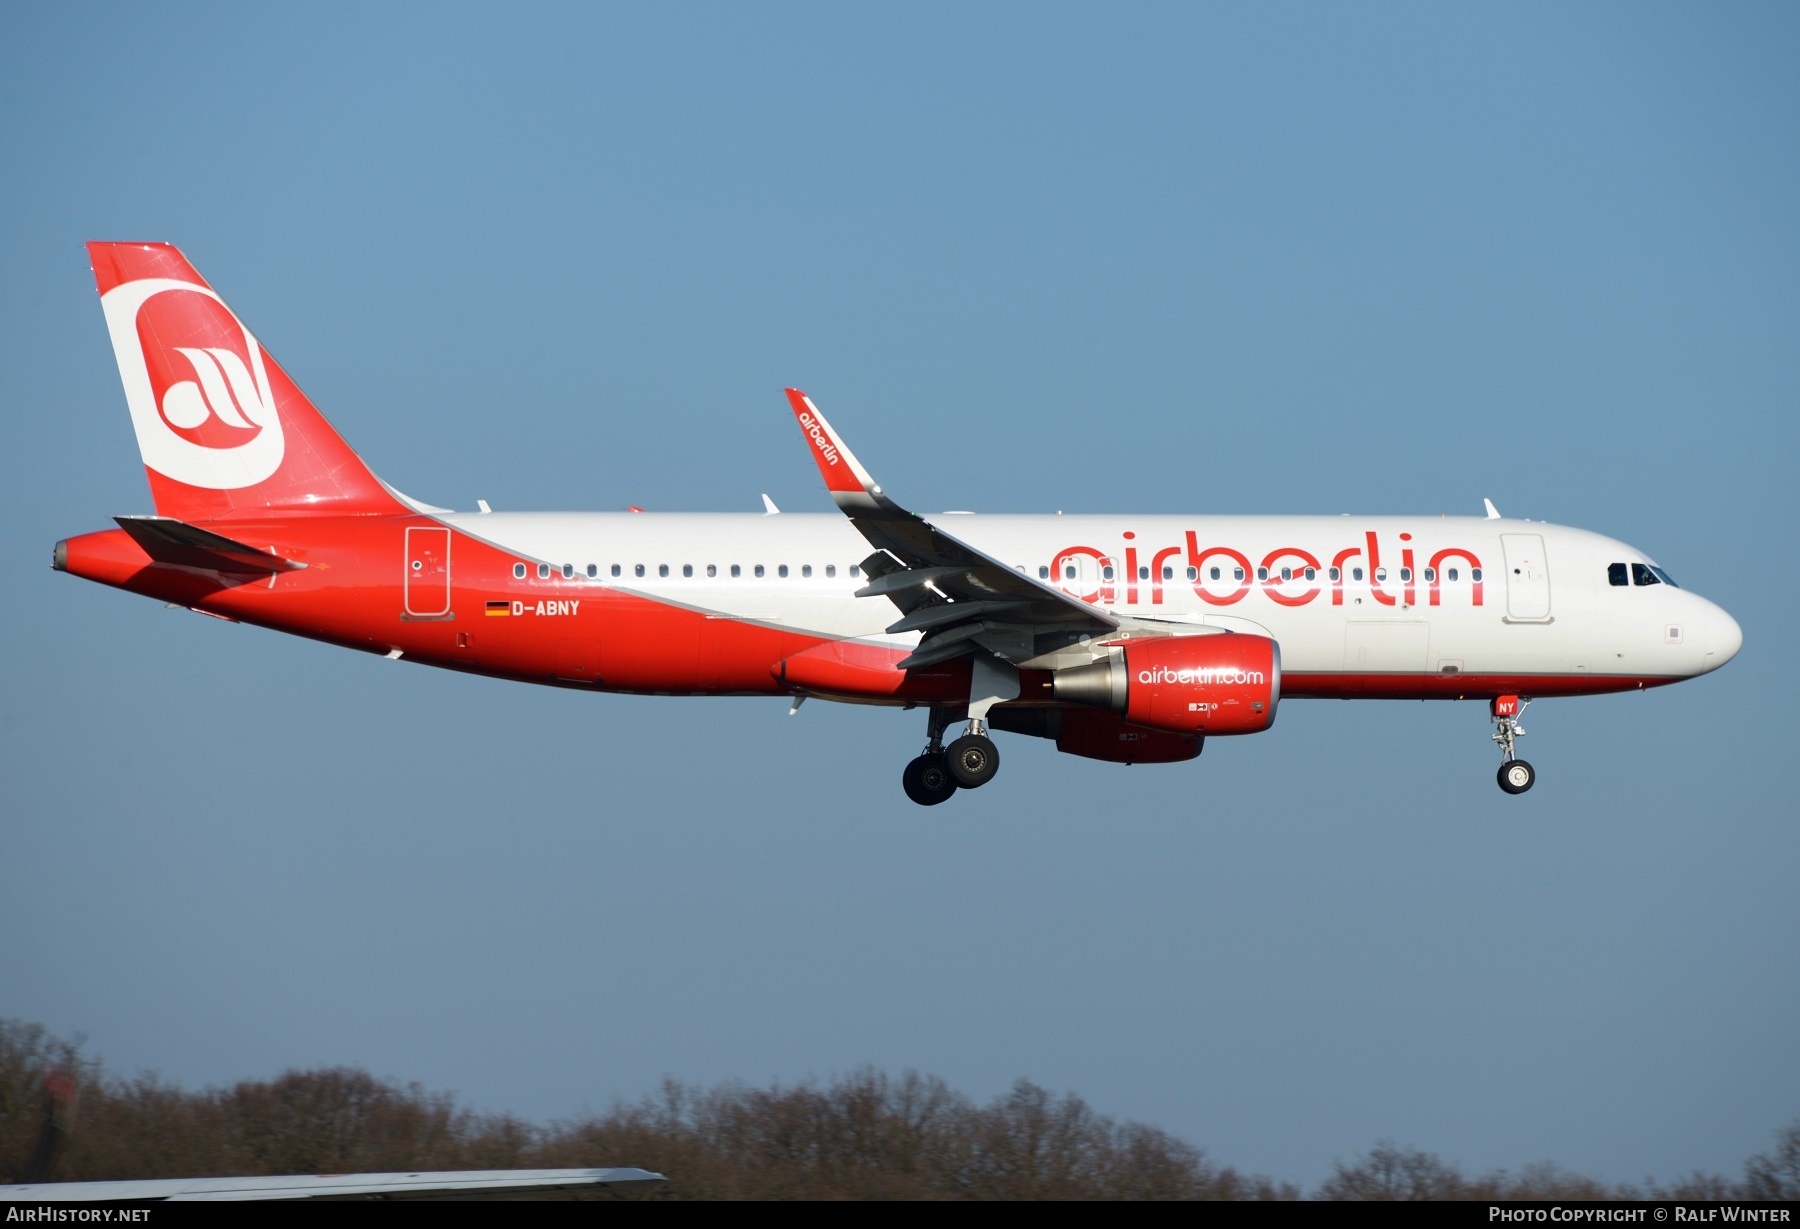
(820, 440)
(1288, 575)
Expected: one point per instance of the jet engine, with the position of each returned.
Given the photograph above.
(1227, 683)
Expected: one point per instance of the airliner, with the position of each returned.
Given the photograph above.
(1128, 639)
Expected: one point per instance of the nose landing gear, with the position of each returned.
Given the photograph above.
(1515, 775)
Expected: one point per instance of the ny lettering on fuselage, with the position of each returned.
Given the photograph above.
(1240, 575)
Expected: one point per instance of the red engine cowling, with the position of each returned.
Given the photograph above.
(1227, 683)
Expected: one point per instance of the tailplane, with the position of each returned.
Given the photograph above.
(223, 431)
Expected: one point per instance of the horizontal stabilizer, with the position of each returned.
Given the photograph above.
(168, 540)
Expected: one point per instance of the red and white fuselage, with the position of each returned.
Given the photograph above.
(264, 515)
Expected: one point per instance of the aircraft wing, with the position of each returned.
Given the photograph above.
(461, 1184)
(959, 597)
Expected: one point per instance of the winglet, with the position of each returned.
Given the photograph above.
(1493, 513)
(849, 483)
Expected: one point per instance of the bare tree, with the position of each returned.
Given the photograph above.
(1776, 1174)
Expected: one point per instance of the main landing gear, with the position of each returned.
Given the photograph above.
(1515, 775)
(968, 763)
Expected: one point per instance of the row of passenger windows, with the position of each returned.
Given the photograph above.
(1638, 574)
(567, 571)
(1286, 574)
(1107, 572)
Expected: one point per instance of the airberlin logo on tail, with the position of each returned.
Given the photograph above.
(196, 384)
(816, 434)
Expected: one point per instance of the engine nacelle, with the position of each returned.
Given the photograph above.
(1228, 683)
(1107, 736)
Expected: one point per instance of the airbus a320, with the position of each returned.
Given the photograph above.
(1130, 639)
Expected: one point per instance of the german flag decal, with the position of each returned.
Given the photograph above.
(501, 609)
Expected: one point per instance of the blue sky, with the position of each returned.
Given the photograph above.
(1184, 259)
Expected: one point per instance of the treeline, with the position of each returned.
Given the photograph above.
(867, 1135)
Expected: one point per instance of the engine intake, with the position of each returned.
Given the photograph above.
(1229, 683)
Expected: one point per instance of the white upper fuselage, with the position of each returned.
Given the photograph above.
(1548, 606)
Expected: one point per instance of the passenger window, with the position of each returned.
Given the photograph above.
(712, 569)
(855, 570)
(1215, 573)
(1262, 573)
(1380, 574)
(1168, 573)
(1043, 573)
(1642, 575)
(1451, 575)
(759, 571)
(1355, 573)
(1193, 574)
(1143, 572)
(638, 570)
(1430, 576)
(1069, 572)
(662, 569)
(687, 569)
(592, 571)
(830, 570)
(1406, 575)
(1287, 573)
(782, 571)
(568, 571)
(1237, 573)
(1475, 575)
(1335, 575)
(518, 571)
(543, 571)
(1312, 573)
(615, 569)
(806, 569)
(1615, 575)
(736, 571)
(1106, 572)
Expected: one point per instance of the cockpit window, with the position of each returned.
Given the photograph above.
(1642, 575)
(1615, 574)
(1666, 578)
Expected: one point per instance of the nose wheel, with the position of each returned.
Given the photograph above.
(1515, 775)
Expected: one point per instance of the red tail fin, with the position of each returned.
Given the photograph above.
(222, 429)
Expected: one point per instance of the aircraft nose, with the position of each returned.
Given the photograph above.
(1723, 639)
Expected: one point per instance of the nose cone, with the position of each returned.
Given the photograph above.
(1723, 640)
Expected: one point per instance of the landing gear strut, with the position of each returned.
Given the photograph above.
(927, 779)
(1515, 776)
(972, 760)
